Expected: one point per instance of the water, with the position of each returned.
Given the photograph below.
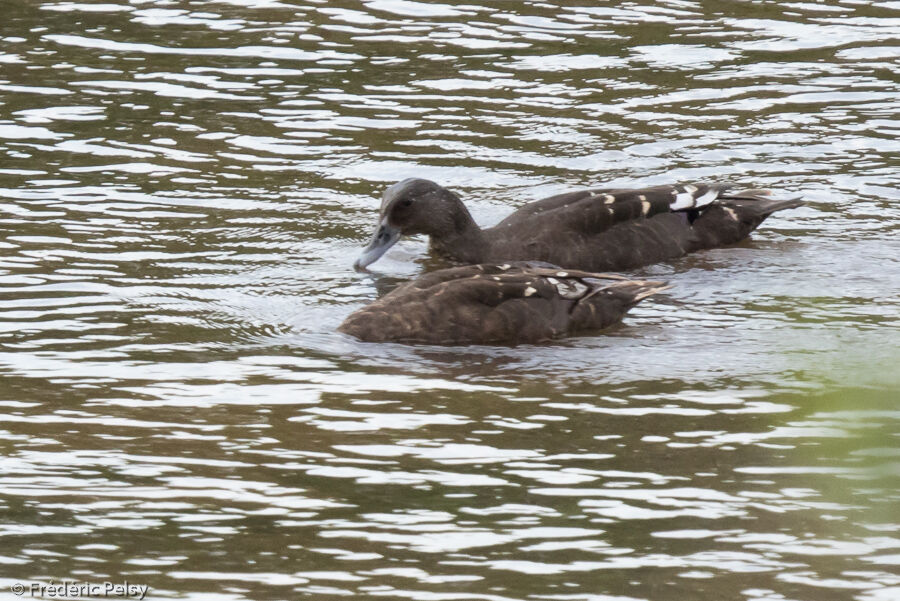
(185, 186)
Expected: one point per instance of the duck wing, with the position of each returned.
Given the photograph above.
(596, 210)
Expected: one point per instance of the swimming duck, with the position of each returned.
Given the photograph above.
(510, 303)
(593, 230)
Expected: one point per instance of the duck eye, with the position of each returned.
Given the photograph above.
(405, 202)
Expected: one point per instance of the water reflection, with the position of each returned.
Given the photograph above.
(184, 190)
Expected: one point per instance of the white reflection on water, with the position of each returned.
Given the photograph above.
(184, 192)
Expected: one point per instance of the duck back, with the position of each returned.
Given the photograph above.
(498, 304)
(612, 229)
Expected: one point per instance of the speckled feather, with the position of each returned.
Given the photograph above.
(512, 303)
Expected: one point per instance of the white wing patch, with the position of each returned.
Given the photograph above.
(707, 198)
(645, 207)
(687, 200)
(570, 289)
(683, 200)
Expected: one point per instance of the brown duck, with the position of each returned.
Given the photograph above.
(511, 303)
(594, 230)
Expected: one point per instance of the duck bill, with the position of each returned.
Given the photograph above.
(385, 237)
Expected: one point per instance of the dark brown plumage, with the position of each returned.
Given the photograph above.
(513, 303)
(594, 230)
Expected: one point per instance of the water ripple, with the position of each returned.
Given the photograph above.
(184, 191)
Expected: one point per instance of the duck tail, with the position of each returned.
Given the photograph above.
(609, 301)
(735, 216)
(645, 289)
(631, 292)
(760, 202)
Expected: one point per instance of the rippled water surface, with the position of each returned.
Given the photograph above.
(184, 187)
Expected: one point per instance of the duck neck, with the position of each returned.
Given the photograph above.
(464, 242)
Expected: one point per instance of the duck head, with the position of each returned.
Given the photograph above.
(413, 206)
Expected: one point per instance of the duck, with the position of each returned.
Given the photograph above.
(498, 304)
(594, 230)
